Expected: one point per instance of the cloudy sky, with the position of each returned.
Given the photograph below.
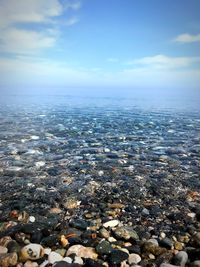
(100, 44)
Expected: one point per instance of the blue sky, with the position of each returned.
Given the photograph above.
(100, 44)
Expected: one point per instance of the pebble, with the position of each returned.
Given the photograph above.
(166, 243)
(104, 233)
(82, 252)
(103, 247)
(78, 260)
(180, 258)
(134, 258)
(68, 259)
(3, 250)
(111, 224)
(54, 257)
(195, 263)
(9, 259)
(30, 264)
(117, 256)
(126, 232)
(32, 219)
(31, 252)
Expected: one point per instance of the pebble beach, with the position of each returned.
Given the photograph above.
(99, 186)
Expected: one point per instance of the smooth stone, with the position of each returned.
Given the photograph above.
(116, 206)
(83, 252)
(104, 247)
(111, 224)
(126, 232)
(32, 219)
(117, 256)
(79, 224)
(78, 260)
(47, 251)
(50, 241)
(166, 243)
(31, 252)
(61, 251)
(195, 263)
(30, 264)
(148, 247)
(9, 259)
(36, 237)
(178, 245)
(104, 233)
(134, 258)
(180, 258)
(54, 257)
(3, 250)
(153, 241)
(68, 259)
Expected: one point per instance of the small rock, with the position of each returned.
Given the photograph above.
(68, 259)
(83, 252)
(61, 251)
(117, 256)
(148, 247)
(79, 224)
(9, 259)
(30, 264)
(166, 243)
(112, 239)
(104, 233)
(104, 247)
(116, 206)
(78, 260)
(178, 245)
(54, 257)
(134, 258)
(32, 219)
(180, 258)
(47, 251)
(111, 224)
(3, 250)
(195, 263)
(64, 241)
(126, 232)
(31, 252)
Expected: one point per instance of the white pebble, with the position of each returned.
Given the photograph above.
(54, 257)
(67, 259)
(47, 251)
(111, 224)
(30, 264)
(134, 258)
(32, 219)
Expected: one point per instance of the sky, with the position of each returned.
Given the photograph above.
(99, 45)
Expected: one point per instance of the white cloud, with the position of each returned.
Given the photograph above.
(164, 62)
(19, 33)
(187, 38)
(28, 11)
(23, 41)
